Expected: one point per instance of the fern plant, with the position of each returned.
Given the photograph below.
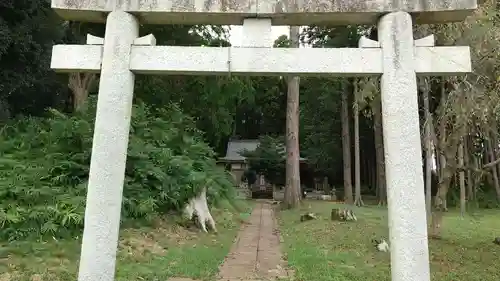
(44, 166)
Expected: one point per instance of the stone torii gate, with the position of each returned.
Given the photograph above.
(397, 57)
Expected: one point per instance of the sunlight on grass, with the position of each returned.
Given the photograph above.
(322, 250)
(147, 253)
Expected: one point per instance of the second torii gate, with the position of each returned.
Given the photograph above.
(396, 57)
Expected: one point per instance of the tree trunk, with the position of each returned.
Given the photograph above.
(478, 177)
(79, 84)
(460, 156)
(435, 146)
(494, 146)
(379, 150)
(346, 147)
(292, 190)
(326, 186)
(440, 207)
(470, 183)
(494, 141)
(369, 167)
(443, 165)
(462, 177)
(443, 175)
(358, 201)
(428, 149)
(494, 169)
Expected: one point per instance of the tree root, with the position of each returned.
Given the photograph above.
(382, 203)
(359, 202)
(198, 206)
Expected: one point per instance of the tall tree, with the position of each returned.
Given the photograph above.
(28, 30)
(346, 145)
(358, 201)
(292, 188)
(80, 84)
(424, 86)
(379, 149)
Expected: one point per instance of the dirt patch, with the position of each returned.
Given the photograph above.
(9, 276)
(5, 277)
(256, 253)
(141, 245)
(138, 242)
(36, 277)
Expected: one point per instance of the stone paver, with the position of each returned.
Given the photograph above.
(256, 253)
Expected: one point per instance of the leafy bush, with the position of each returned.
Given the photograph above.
(44, 165)
(484, 196)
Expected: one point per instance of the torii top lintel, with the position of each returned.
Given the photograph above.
(282, 12)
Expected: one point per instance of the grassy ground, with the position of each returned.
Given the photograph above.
(322, 250)
(147, 254)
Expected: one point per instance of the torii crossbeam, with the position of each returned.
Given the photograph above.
(348, 62)
(281, 12)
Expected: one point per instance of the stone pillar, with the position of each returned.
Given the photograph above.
(403, 157)
(109, 151)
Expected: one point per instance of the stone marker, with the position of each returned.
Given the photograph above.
(397, 57)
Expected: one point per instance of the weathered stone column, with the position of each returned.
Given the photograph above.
(403, 156)
(109, 151)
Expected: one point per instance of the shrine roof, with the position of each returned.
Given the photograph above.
(236, 147)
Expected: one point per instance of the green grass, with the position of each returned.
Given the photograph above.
(322, 250)
(147, 253)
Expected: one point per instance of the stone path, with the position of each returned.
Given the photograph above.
(256, 253)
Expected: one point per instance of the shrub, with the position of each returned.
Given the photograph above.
(44, 165)
(269, 159)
